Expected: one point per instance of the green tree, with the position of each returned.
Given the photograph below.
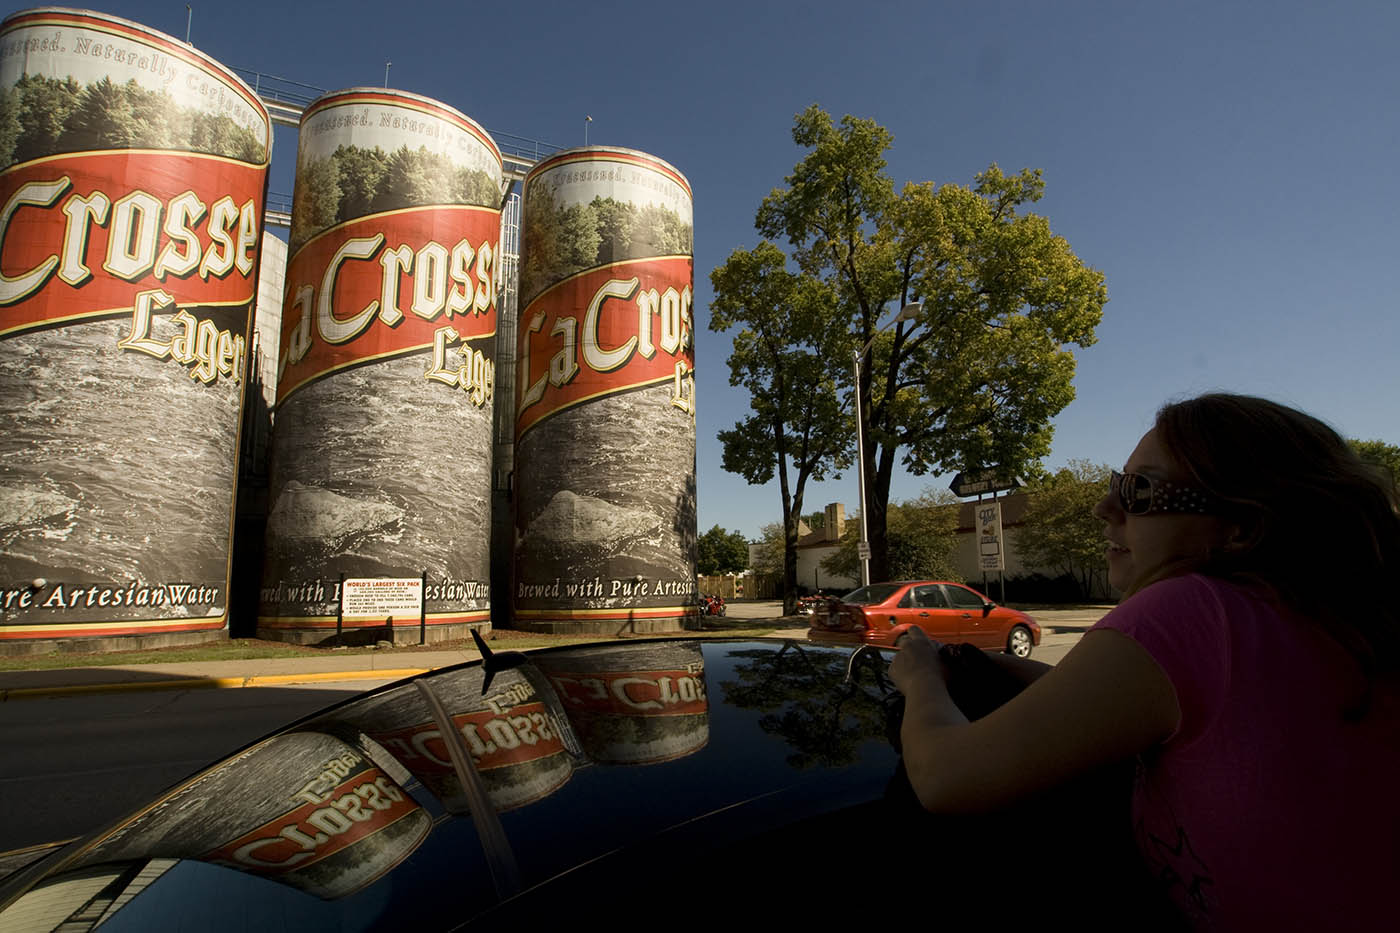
(615, 222)
(659, 231)
(798, 430)
(473, 186)
(414, 177)
(315, 199)
(361, 173)
(9, 125)
(1059, 530)
(975, 379)
(1379, 453)
(557, 242)
(768, 556)
(218, 135)
(103, 119)
(159, 121)
(44, 107)
(922, 535)
(720, 551)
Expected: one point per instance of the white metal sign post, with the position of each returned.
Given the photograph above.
(990, 545)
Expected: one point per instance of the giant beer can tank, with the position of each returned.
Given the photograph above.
(131, 204)
(382, 439)
(605, 396)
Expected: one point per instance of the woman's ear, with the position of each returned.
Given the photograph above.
(1242, 536)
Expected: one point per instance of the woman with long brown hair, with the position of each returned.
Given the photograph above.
(1249, 669)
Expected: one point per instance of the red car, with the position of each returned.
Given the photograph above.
(880, 613)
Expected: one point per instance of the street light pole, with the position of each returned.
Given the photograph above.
(907, 313)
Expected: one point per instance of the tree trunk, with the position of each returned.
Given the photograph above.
(790, 564)
(877, 493)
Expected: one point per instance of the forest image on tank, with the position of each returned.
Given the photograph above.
(559, 241)
(42, 116)
(354, 182)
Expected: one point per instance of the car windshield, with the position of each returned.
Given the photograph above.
(874, 593)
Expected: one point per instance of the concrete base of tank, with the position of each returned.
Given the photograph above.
(610, 627)
(102, 644)
(405, 634)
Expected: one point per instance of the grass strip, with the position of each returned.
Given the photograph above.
(251, 649)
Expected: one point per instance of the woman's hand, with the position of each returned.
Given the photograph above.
(1105, 701)
(917, 666)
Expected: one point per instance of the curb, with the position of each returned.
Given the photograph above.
(798, 628)
(201, 683)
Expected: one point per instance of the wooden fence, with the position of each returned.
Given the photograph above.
(752, 586)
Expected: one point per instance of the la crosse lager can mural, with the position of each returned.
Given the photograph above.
(605, 396)
(131, 205)
(382, 446)
(639, 704)
(304, 809)
(515, 733)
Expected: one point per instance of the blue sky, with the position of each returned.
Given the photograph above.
(1229, 167)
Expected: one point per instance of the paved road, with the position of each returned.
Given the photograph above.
(72, 763)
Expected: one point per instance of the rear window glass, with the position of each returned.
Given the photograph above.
(874, 593)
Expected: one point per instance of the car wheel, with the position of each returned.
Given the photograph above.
(901, 641)
(1019, 642)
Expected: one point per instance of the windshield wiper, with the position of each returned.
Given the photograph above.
(500, 858)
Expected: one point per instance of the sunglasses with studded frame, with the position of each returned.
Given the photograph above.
(1140, 494)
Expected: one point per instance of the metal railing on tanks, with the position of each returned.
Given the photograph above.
(286, 99)
(277, 90)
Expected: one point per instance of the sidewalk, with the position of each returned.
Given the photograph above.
(192, 675)
(262, 672)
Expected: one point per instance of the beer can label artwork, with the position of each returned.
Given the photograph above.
(295, 844)
(304, 809)
(382, 454)
(633, 705)
(605, 394)
(131, 205)
(513, 733)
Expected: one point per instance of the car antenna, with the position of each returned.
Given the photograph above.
(492, 663)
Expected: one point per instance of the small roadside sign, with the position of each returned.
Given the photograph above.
(863, 550)
(990, 553)
(977, 482)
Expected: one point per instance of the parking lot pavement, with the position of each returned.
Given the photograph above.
(1068, 620)
(753, 608)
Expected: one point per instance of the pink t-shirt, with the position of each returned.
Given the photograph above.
(1265, 810)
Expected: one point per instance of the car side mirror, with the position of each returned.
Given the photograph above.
(987, 609)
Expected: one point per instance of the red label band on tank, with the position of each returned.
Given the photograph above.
(633, 693)
(622, 326)
(392, 284)
(512, 736)
(130, 233)
(330, 821)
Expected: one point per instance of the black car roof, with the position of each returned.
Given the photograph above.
(598, 756)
